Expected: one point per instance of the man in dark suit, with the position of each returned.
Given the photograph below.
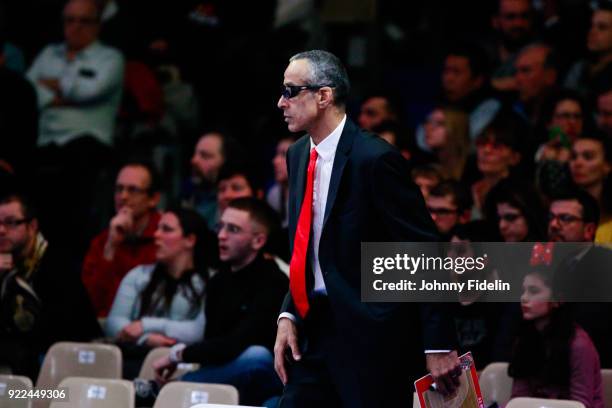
(348, 187)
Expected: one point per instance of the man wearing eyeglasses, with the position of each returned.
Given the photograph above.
(128, 241)
(348, 187)
(41, 299)
(573, 217)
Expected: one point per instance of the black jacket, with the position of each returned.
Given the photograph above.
(241, 311)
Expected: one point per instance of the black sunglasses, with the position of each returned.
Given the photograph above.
(291, 91)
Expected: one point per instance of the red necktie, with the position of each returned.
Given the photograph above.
(297, 267)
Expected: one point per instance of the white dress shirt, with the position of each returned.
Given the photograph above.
(91, 85)
(326, 151)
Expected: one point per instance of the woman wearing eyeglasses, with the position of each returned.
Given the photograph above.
(497, 153)
(517, 211)
(160, 304)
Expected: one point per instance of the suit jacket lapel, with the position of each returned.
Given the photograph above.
(301, 175)
(342, 153)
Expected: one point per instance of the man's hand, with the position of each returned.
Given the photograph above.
(445, 369)
(132, 331)
(159, 340)
(164, 368)
(121, 226)
(6, 263)
(286, 337)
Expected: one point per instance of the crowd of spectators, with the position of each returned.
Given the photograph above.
(502, 108)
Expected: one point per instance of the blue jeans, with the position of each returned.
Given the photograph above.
(252, 373)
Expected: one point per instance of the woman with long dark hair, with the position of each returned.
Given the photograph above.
(162, 303)
(553, 357)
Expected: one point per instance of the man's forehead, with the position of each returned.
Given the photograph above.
(447, 199)
(134, 175)
(568, 206)
(235, 216)
(11, 208)
(297, 72)
(507, 6)
(81, 8)
(210, 140)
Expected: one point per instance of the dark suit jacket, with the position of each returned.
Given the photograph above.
(378, 346)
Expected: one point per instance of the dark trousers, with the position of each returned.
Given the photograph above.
(310, 381)
(353, 364)
(73, 190)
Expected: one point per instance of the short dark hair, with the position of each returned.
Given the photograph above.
(476, 56)
(429, 170)
(155, 185)
(326, 69)
(393, 99)
(231, 149)
(229, 170)
(259, 211)
(590, 208)
(461, 196)
(29, 210)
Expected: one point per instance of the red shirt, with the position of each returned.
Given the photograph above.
(102, 278)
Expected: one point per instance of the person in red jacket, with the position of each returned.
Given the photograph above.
(128, 241)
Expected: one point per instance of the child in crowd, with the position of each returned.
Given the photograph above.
(553, 357)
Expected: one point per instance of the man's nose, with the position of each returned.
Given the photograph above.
(282, 102)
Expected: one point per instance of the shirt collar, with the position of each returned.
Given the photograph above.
(326, 150)
(62, 50)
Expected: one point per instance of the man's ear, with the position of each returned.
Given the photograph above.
(154, 199)
(33, 224)
(326, 97)
(259, 241)
(589, 231)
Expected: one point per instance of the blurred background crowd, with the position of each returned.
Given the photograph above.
(113, 110)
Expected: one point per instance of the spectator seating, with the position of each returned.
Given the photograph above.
(186, 394)
(606, 379)
(496, 384)
(66, 359)
(523, 402)
(14, 382)
(147, 372)
(96, 393)
(220, 406)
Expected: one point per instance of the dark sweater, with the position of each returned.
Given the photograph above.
(241, 311)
